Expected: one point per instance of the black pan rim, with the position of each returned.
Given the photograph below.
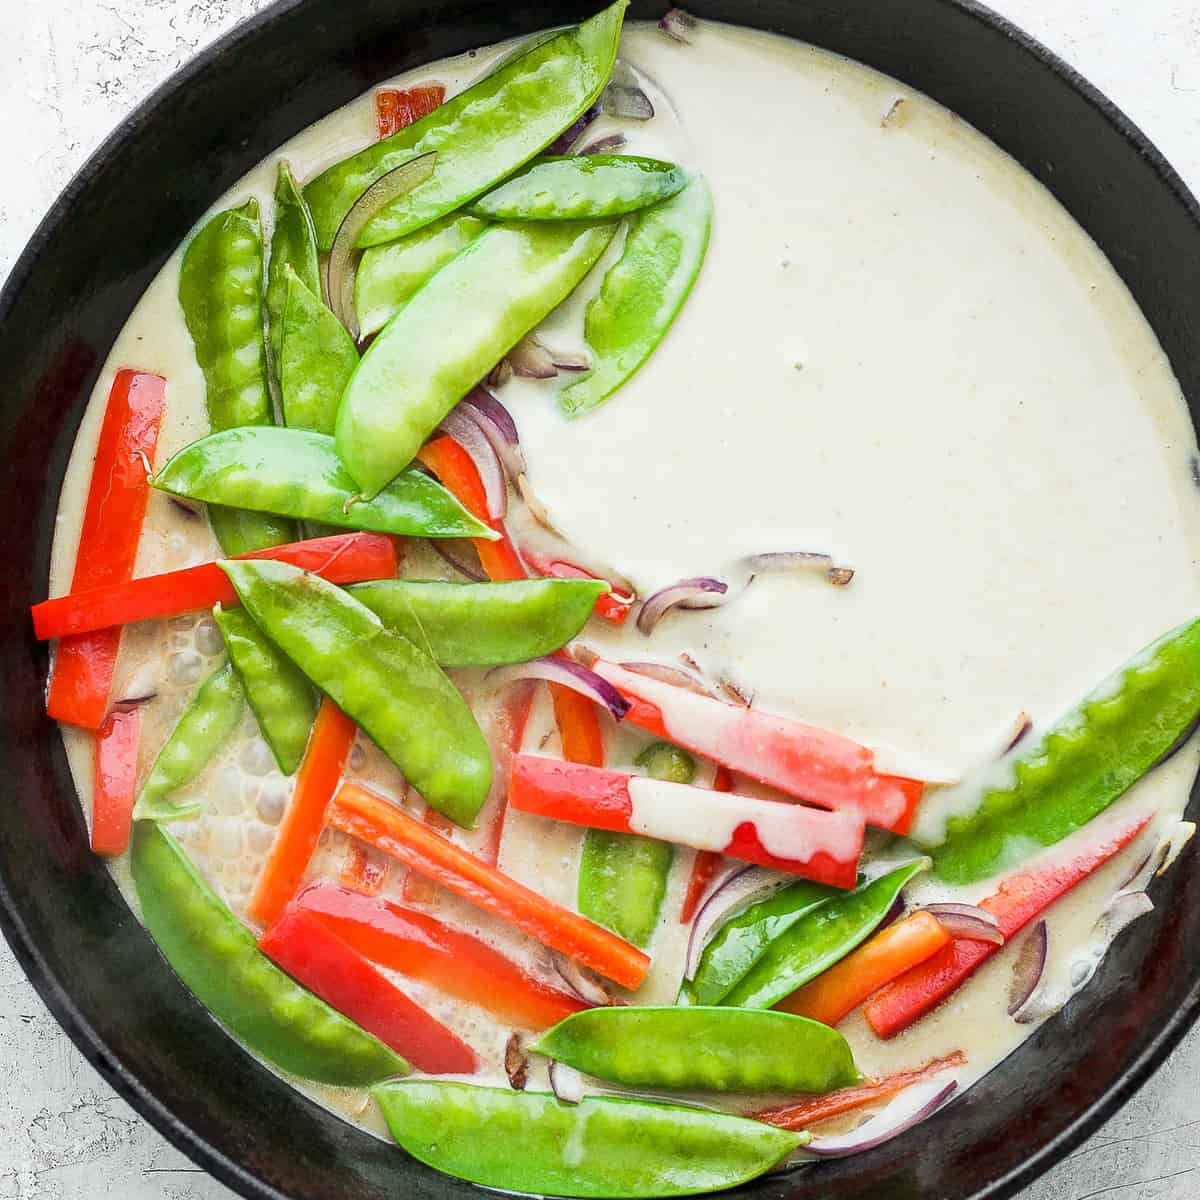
(56, 993)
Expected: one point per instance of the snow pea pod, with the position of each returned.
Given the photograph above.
(451, 333)
(317, 357)
(293, 253)
(580, 188)
(642, 293)
(388, 276)
(216, 957)
(483, 624)
(393, 689)
(823, 937)
(280, 696)
(208, 722)
(1093, 755)
(529, 1142)
(623, 877)
(221, 293)
(481, 135)
(708, 1049)
(299, 474)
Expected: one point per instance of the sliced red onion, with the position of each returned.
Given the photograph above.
(892, 915)
(500, 374)
(676, 676)
(911, 1107)
(192, 509)
(570, 675)
(678, 25)
(966, 921)
(740, 888)
(605, 145)
(466, 431)
(580, 980)
(1020, 730)
(140, 688)
(342, 266)
(701, 592)
(624, 97)
(499, 428)
(570, 360)
(1028, 968)
(565, 140)
(450, 550)
(774, 561)
(566, 1083)
(516, 1063)
(529, 359)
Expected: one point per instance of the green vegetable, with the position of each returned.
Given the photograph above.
(1092, 756)
(280, 696)
(293, 253)
(483, 624)
(623, 877)
(581, 188)
(299, 474)
(208, 722)
(451, 333)
(221, 292)
(481, 135)
(216, 957)
(711, 1049)
(823, 937)
(642, 293)
(388, 276)
(316, 360)
(392, 689)
(528, 1142)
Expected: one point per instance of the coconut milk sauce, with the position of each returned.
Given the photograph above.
(901, 351)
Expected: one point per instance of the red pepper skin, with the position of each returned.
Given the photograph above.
(398, 108)
(707, 861)
(362, 871)
(115, 782)
(316, 957)
(600, 799)
(343, 558)
(614, 606)
(1021, 898)
(422, 947)
(108, 541)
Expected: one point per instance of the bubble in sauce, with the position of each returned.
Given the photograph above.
(185, 666)
(271, 801)
(208, 637)
(256, 757)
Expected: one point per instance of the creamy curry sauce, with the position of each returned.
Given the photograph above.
(901, 350)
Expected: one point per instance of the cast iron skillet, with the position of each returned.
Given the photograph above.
(69, 296)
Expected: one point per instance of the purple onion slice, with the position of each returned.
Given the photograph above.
(569, 674)
(500, 374)
(605, 145)
(571, 360)
(701, 592)
(342, 266)
(624, 97)
(498, 427)
(966, 921)
(740, 888)
(566, 1083)
(452, 552)
(529, 359)
(1028, 968)
(1020, 730)
(516, 1063)
(565, 140)
(466, 431)
(678, 25)
(579, 980)
(908, 1109)
(775, 561)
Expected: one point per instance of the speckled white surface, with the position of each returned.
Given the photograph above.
(69, 70)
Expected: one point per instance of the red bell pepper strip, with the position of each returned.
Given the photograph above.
(343, 558)
(314, 955)
(372, 819)
(813, 764)
(329, 747)
(1021, 898)
(398, 108)
(108, 541)
(115, 782)
(614, 606)
(706, 862)
(422, 947)
(362, 871)
(833, 1104)
(810, 842)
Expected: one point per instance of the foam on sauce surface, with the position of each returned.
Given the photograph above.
(901, 350)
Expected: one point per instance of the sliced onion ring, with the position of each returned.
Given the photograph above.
(569, 674)
(678, 25)
(1028, 967)
(740, 888)
(624, 96)
(466, 431)
(605, 145)
(579, 980)
(450, 551)
(566, 1083)
(342, 266)
(908, 1109)
(498, 427)
(966, 921)
(529, 359)
(700, 592)
(565, 140)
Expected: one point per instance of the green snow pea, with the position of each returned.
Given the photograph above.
(623, 877)
(216, 957)
(642, 293)
(299, 474)
(208, 722)
(393, 689)
(280, 696)
(827, 934)
(389, 276)
(529, 1142)
(581, 188)
(703, 1049)
(451, 333)
(1093, 755)
(481, 135)
(221, 293)
(293, 252)
(317, 357)
(483, 624)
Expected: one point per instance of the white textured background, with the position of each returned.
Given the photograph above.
(69, 70)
